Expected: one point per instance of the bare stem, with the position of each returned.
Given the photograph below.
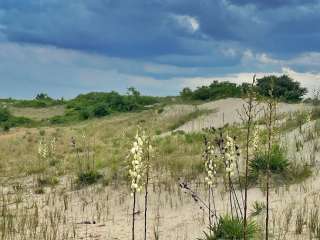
(133, 213)
(146, 195)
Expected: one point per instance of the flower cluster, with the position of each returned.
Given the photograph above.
(255, 140)
(210, 163)
(43, 150)
(138, 160)
(230, 154)
(47, 149)
(308, 116)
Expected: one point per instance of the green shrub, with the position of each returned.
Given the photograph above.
(84, 114)
(88, 177)
(231, 229)
(216, 90)
(283, 88)
(100, 104)
(6, 127)
(100, 111)
(7, 120)
(278, 163)
(42, 100)
(4, 115)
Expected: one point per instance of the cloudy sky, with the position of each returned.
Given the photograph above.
(159, 46)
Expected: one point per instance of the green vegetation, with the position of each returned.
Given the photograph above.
(40, 101)
(284, 88)
(278, 162)
(216, 90)
(83, 107)
(100, 104)
(7, 120)
(281, 169)
(88, 177)
(231, 229)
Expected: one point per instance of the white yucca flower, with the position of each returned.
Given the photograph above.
(53, 145)
(47, 149)
(230, 155)
(210, 163)
(43, 150)
(138, 164)
(255, 140)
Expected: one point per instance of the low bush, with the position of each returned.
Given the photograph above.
(42, 100)
(231, 229)
(88, 177)
(278, 162)
(100, 104)
(7, 120)
(216, 90)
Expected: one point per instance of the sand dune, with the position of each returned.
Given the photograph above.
(226, 111)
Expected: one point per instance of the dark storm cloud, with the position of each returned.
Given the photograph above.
(273, 3)
(156, 39)
(142, 29)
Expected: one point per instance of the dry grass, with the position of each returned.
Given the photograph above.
(38, 113)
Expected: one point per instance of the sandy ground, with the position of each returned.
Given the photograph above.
(173, 214)
(177, 216)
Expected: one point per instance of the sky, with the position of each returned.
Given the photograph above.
(65, 48)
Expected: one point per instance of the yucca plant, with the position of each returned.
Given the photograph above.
(258, 208)
(229, 228)
(139, 172)
(277, 163)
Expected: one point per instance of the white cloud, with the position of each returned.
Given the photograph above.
(307, 60)
(189, 23)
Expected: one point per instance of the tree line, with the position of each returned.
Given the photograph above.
(283, 88)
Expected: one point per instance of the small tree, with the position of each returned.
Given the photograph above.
(283, 88)
(186, 93)
(42, 96)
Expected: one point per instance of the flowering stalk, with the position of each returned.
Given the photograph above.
(248, 115)
(46, 151)
(229, 156)
(210, 164)
(135, 174)
(148, 154)
(43, 152)
(140, 154)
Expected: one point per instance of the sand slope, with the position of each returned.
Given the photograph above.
(226, 111)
